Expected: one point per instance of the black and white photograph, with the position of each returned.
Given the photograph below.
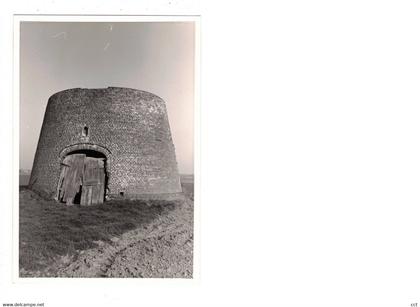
(106, 159)
(190, 153)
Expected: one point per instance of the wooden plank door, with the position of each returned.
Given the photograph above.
(71, 178)
(65, 165)
(93, 182)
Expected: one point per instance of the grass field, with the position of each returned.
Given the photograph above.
(48, 230)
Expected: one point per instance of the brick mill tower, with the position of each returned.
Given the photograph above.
(105, 143)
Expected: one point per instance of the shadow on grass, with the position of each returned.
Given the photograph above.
(48, 229)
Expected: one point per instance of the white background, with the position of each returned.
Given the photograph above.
(310, 157)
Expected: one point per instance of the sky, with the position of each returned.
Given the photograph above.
(157, 57)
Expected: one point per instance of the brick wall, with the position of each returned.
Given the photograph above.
(130, 127)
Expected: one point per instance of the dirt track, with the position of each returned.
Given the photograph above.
(163, 248)
(160, 246)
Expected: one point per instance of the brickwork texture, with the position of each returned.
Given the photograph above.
(130, 127)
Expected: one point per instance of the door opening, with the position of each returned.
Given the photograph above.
(83, 178)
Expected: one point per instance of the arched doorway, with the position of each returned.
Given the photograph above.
(83, 178)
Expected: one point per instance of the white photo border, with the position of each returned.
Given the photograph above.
(17, 19)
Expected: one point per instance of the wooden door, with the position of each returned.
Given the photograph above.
(93, 182)
(70, 178)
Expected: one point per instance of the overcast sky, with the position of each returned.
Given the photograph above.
(157, 57)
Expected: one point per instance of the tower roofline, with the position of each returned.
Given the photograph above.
(109, 88)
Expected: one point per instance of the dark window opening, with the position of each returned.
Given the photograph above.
(121, 194)
(85, 131)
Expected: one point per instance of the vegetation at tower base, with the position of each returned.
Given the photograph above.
(121, 134)
(124, 238)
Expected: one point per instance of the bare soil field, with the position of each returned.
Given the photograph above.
(150, 239)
